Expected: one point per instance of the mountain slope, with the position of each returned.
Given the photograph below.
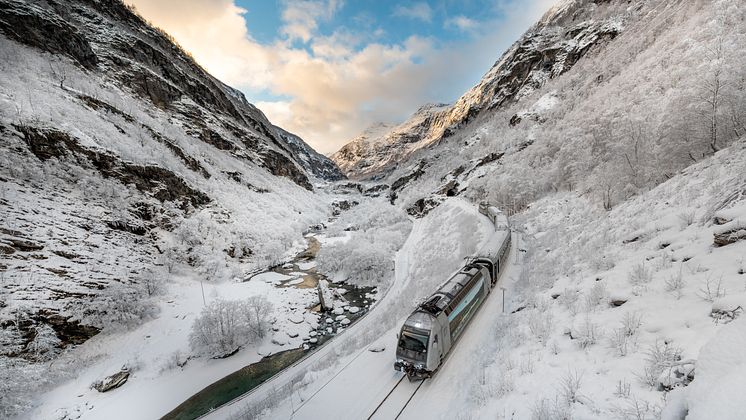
(310, 160)
(123, 165)
(381, 146)
(623, 119)
(547, 50)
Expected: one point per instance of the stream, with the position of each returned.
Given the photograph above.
(301, 273)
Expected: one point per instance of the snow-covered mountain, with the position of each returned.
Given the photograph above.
(122, 160)
(382, 145)
(547, 50)
(131, 182)
(310, 160)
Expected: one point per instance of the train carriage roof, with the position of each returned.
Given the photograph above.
(491, 249)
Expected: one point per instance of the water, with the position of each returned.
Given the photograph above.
(253, 375)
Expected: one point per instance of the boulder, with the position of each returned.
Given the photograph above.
(111, 382)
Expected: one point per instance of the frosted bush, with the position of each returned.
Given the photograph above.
(631, 323)
(712, 289)
(587, 334)
(640, 275)
(540, 324)
(367, 258)
(595, 296)
(119, 307)
(659, 357)
(225, 325)
(45, 345)
(546, 409)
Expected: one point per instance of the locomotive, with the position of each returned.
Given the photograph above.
(431, 331)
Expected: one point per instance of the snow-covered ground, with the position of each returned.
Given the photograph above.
(156, 384)
(610, 316)
(344, 379)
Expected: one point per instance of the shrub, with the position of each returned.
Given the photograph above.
(712, 289)
(640, 275)
(588, 334)
(120, 306)
(660, 356)
(226, 325)
(675, 284)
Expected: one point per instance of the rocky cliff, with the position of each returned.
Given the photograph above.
(550, 48)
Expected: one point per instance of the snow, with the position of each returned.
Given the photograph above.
(153, 388)
(307, 265)
(717, 390)
(436, 245)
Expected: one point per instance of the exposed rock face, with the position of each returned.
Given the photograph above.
(43, 29)
(382, 146)
(313, 162)
(549, 49)
(159, 182)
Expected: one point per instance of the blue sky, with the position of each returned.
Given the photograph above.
(386, 21)
(327, 69)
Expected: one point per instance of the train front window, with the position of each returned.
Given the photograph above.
(413, 342)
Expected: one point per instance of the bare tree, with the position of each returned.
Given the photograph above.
(712, 88)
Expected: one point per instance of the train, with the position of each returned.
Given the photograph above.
(431, 331)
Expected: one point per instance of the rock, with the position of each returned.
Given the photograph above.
(339, 206)
(27, 25)
(296, 318)
(132, 227)
(161, 183)
(340, 318)
(680, 374)
(422, 207)
(728, 237)
(377, 349)
(617, 302)
(326, 297)
(450, 189)
(338, 310)
(292, 334)
(345, 321)
(329, 330)
(24, 245)
(313, 340)
(278, 341)
(412, 176)
(111, 382)
(353, 309)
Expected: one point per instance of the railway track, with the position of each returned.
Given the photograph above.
(395, 402)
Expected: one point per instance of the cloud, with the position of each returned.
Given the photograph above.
(420, 11)
(335, 85)
(301, 17)
(462, 23)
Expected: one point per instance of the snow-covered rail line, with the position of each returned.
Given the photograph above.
(397, 400)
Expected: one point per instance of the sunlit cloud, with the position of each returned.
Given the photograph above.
(332, 86)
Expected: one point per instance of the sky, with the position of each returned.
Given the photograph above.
(327, 69)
